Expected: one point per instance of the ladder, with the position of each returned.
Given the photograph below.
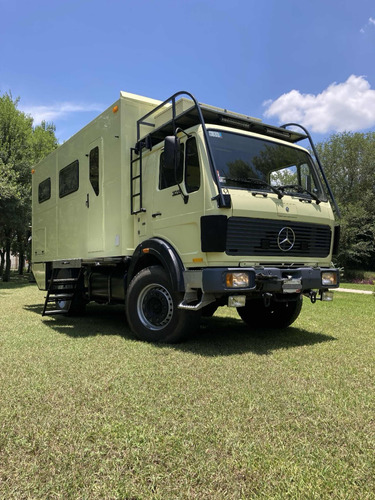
(60, 290)
(136, 182)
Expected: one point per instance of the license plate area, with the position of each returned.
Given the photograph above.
(292, 285)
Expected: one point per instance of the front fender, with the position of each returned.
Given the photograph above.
(157, 251)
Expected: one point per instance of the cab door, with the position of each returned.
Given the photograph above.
(179, 201)
(94, 197)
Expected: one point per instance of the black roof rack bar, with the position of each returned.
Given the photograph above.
(335, 206)
(223, 200)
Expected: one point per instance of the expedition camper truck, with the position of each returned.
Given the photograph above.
(175, 208)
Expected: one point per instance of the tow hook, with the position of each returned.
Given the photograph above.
(324, 295)
(312, 295)
(267, 299)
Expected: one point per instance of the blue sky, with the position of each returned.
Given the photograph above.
(311, 61)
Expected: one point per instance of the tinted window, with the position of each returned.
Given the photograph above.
(192, 170)
(44, 190)
(94, 169)
(69, 179)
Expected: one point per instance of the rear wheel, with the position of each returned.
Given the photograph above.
(74, 307)
(276, 315)
(152, 308)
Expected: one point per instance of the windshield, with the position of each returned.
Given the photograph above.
(251, 163)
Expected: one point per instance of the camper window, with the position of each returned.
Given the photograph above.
(69, 179)
(94, 169)
(44, 190)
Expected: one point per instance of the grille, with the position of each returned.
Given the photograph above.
(247, 236)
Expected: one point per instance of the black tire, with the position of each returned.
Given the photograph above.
(63, 305)
(277, 315)
(78, 304)
(209, 310)
(74, 307)
(152, 308)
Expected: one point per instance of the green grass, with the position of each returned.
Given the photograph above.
(357, 286)
(88, 412)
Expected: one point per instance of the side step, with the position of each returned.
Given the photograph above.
(60, 289)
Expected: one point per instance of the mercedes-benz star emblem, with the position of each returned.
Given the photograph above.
(286, 239)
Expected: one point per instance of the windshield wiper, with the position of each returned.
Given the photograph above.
(253, 181)
(300, 189)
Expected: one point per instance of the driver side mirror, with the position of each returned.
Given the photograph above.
(171, 152)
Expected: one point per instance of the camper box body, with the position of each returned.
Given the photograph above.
(90, 218)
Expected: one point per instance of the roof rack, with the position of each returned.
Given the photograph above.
(195, 114)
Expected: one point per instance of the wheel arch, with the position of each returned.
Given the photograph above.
(156, 251)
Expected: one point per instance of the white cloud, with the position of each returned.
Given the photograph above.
(370, 23)
(58, 111)
(341, 106)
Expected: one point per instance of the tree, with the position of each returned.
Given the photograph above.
(348, 160)
(21, 146)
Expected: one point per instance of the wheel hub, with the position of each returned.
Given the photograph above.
(155, 307)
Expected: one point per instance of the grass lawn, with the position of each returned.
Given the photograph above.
(357, 286)
(88, 412)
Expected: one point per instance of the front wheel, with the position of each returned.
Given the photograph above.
(276, 315)
(152, 308)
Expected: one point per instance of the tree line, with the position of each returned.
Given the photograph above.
(348, 159)
(21, 146)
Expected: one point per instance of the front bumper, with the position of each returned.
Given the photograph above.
(260, 280)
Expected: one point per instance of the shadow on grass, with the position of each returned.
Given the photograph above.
(221, 336)
(217, 336)
(16, 281)
(98, 320)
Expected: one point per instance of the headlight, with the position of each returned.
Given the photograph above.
(237, 280)
(329, 278)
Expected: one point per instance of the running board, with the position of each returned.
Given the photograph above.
(207, 298)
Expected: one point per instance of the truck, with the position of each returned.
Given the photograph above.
(174, 208)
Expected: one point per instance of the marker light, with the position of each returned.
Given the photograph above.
(237, 280)
(115, 109)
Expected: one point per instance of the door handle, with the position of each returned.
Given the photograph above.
(87, 200)
(156, 214)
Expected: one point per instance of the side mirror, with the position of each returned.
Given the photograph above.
(308, 182)
(171, 152)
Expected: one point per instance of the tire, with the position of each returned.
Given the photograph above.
(152, 308)
(277, 315)
(63, 305)
(74, 307)
(209, 310)
(78, 304)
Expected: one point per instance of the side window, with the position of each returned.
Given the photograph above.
(69, 179)
(168, 178)
(94, 169)
(44, 190)
(192, 170)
